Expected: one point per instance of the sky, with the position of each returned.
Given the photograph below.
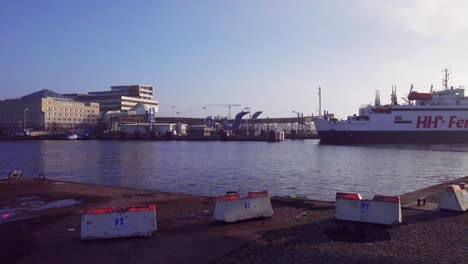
(269, 55)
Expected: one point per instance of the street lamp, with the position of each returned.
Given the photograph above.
(172, 113)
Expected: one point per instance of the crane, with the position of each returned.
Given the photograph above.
(226, 105)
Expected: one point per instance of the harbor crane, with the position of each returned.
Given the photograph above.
(229, 106)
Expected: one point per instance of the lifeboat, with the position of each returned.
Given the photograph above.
(419, 96)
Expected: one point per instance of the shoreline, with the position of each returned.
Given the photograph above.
(186, 232)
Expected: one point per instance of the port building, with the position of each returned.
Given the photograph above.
(120, 98)
(47, 110)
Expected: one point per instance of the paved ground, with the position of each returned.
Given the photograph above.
(187, 231)
(424, 237)
(299, 232)
(317, 237)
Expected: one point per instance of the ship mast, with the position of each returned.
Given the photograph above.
(445, 80)
(377, 98)
(320, 100)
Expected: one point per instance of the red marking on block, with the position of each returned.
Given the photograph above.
(100, 210)
(453, 188)
(141, 208)
(229, 197)
(348, 196)
(391, 199)
(257, 194)
(5, 216)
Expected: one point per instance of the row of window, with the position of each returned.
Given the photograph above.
(69, 110)
(65, 114)
(71, 119)
(76, 104)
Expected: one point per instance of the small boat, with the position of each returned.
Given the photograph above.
(72, 136)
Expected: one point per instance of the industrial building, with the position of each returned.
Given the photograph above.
(47, 110)
(120, 98)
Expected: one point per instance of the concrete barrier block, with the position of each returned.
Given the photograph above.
(109, 223)
(455, 198)
(232, 208)
(384, 210)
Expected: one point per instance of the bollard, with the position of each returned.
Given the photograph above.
(423, 199)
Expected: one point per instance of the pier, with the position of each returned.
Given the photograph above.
(189, 128)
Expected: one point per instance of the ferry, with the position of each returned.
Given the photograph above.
(434, 117)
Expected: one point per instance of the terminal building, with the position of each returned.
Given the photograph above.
(120, 98)
(47, 110)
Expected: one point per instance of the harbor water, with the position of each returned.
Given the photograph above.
(300, 167)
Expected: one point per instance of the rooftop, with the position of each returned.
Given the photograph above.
(43, 94)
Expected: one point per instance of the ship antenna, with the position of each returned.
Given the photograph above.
(446, 79)
(432, 87)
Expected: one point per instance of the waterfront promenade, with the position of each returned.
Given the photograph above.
(299, 232)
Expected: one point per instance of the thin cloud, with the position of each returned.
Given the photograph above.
(428, 18)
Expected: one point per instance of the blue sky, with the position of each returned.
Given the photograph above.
(266, 55)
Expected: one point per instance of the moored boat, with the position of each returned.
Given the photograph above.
(435, 117)
(72, 136)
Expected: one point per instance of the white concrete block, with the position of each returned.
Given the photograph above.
(232, 208)
(455, 198)
(109, 223)
(380, 210)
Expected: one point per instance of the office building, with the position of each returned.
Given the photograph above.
(120, 98)
(44, 110)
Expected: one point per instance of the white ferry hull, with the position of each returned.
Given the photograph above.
(397, 127)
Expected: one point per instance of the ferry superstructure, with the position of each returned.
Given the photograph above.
(434, 117)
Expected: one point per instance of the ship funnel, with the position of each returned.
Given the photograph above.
(377, 98)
